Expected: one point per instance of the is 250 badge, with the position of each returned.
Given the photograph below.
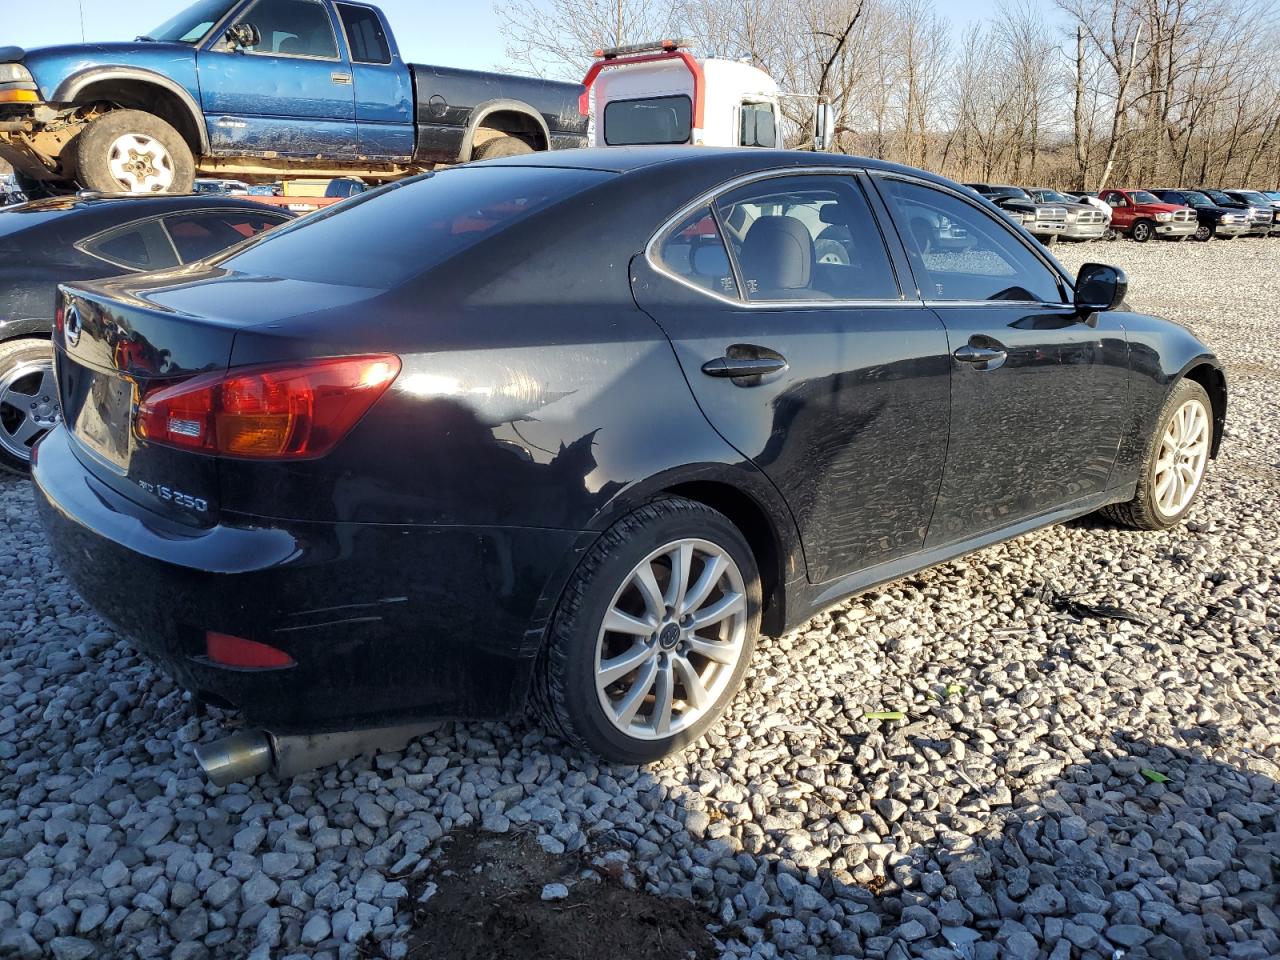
(167, 493)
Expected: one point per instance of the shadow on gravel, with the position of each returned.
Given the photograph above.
(1145, 850)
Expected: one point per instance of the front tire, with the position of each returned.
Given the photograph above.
(1142, 231)
(1174, 464)
(130, 151)
(28, 401)
(653, 634)
(1204, 232)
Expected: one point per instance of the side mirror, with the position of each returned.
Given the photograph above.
(243, 34)
(824, 126)
(1100, 287)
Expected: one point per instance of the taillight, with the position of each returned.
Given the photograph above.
(272, 412)
(229, 651)
(59, 316)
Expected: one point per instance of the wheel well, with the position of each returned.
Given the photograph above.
(1215, 384)
(754, 523)
(510, 123)
(148, 97)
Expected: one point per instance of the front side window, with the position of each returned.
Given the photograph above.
(758, 128)
(649, 121)
(807, 238)
(694, 251)
(365, 36)
(136, 246)
(292, 28)
(1116, 199)
(200, 234)
(963, 253)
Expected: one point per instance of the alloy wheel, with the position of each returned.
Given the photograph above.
(141, 164)
(1203, 232)
(28, 407)
(1183, 454)
(1141, 232)
(671, 639)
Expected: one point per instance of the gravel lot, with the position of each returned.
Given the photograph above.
(1012, 813)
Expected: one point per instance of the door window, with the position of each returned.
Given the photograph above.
(758, 127)
(202, 234)
(963, 253)
(292, 28)
(137, 246)
(694, 251)
(365, 37)
(807, 238)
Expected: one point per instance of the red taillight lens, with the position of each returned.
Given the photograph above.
(286, 412)
(229, 651)
(59, 316)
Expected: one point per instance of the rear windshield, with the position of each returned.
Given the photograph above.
(652, 120)
(384, 237)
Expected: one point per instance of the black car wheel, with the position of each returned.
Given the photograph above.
(653, 634)
(1142, 231)
(1204, 232)
(1174, 464)
(28, 400)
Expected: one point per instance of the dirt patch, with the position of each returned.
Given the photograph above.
(488, 905)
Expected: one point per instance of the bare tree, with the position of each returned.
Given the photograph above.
(557, 38)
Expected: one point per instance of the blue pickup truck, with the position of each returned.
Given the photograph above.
(257, 89)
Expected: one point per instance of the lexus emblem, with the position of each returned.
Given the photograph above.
(71, 326)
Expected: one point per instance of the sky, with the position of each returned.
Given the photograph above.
(443, 32)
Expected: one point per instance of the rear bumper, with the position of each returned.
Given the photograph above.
(386, 623)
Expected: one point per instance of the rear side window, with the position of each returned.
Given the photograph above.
(962, 253)
(137, 246)
(202, 234)
(695, 252)
(365, 36)
(384, 237)
(651, 120)
(807, 238)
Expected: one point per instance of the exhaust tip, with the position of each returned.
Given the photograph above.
(240, 756)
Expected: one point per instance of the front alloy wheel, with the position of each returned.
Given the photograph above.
(653, 633)
(1204, 232)
(1142, 231)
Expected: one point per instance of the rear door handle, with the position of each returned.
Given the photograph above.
(343, 78)
(734, 367)
(982, 357)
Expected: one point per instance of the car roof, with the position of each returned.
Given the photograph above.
(142, 205)
(623, 160)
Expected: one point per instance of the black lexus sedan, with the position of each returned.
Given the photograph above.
(1213, 221)
(85, 237)
(568, 430)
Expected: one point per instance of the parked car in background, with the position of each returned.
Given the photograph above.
(1263, 209)
(233, 188)
(260, 89)
(46, 242)
(528, 476)
(1044, 221)
(1259, 220)
(1143, 216)
(309, 195)
(1212, 220)
(1084, 221)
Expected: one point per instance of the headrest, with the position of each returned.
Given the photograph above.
(778, 254)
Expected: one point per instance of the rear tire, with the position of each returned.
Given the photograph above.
(623, 652)
(1177, 453)
(1142, 231)
(503, 146)
(130, 151)
(28, 403)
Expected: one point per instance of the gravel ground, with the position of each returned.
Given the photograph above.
(1020, 809)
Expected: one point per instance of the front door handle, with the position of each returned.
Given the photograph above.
(982, 356)
(735, 367)
(342, 78)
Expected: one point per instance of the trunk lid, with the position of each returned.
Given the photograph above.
(110, 353)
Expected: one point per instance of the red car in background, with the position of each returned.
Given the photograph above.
(1142, 215)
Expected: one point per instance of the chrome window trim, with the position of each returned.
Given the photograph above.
(706, 199)
(245, 11)
(1066, 282)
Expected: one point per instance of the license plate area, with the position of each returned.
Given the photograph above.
(98, 409)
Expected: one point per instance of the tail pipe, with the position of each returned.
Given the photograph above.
(249, 753)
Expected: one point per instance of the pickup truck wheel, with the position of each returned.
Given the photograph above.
(652, 635)
(504, 146)
(129, 151)
(1142, 231)
(28, 400)
(1204, 232)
